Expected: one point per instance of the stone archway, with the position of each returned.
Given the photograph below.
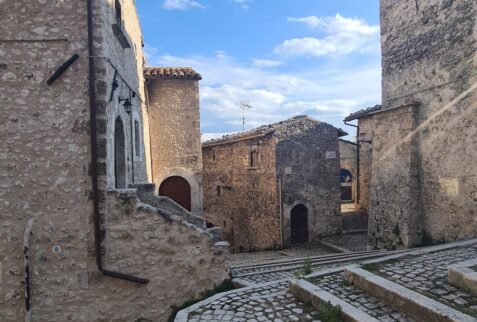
(119, 155)
(178, 189)
(299, 224)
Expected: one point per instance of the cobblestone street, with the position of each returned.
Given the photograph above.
(427, 274)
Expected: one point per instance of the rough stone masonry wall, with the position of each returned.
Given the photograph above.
(429, 56)
(174, 120)
(348, 154)
(44, 158)
(248, 203)
(394, 210)
(365, 138)
(128, 64)
(180, 259)
(310, 177)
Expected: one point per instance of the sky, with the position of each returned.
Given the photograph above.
(282, 57)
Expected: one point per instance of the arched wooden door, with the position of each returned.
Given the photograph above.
(119, 155)
(299, 224)
(178, 189)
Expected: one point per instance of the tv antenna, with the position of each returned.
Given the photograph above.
(244, 106)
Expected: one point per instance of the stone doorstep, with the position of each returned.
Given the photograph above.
(307, 292)
(463, 276)
(417, 306)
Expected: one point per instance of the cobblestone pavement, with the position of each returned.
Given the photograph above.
(336, 285)
(270, 302)
(427, 274)
(354, 242)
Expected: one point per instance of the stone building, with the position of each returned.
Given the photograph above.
(274, 186)
(418, 149)
(348, 171)
(76, 245)
(174, 122)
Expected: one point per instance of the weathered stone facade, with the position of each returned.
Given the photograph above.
(422, 175)
(255, 181)
(174, 121)
(49, 134)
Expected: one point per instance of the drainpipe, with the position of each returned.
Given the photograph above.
(26, 259)
(357, 160)
(94, 157)
(280, 210)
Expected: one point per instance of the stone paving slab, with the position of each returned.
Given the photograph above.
(427, 274)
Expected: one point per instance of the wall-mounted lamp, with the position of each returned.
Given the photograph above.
(127, 104)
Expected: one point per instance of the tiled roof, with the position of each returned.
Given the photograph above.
(171, 72)
(286, 127)
(362, 113)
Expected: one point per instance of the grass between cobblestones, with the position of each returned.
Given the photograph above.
(226, 285)
(330, 313)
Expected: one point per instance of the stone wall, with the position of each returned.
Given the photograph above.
(241, 199)
(429, 57)
(45, 154)
(180, 259)
(365, 137)
(308, 164)
(174, 121)
(348, 156)
(44, 157)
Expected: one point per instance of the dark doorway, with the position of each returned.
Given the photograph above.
(178, 189)
(299, 224)
(119, 155)
(346, 185)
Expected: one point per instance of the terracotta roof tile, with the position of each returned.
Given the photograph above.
(171, 72)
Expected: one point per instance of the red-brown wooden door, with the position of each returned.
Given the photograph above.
(178, 189)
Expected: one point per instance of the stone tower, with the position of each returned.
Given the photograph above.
(174, 122)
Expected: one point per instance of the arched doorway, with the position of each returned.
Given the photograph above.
(119, 155)
(299, 224)
(178, 189)
(346, 185)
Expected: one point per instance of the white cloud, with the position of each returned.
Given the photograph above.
(324, 92)
(266, 63)
(342, 36)
(311, 21)
(245, 4)
(182, 4)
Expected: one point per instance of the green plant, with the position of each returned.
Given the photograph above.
(225, 286)
(330, 313)
(307, 267)
(372, 267)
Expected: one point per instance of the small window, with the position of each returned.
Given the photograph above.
(253, 159)
(219, 191)
(137, 138)
(225, 223)
(213, 156)
(117, 7)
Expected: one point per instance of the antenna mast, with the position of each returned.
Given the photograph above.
(244, 106)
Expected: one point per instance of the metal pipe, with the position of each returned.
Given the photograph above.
(26, 259)
(94, 157)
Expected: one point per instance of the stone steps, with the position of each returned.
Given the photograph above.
(298, 264)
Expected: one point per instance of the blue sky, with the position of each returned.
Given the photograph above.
(285, 57)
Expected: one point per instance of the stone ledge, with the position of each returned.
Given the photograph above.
(308, 292)
(463, 276)
(419, 307)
